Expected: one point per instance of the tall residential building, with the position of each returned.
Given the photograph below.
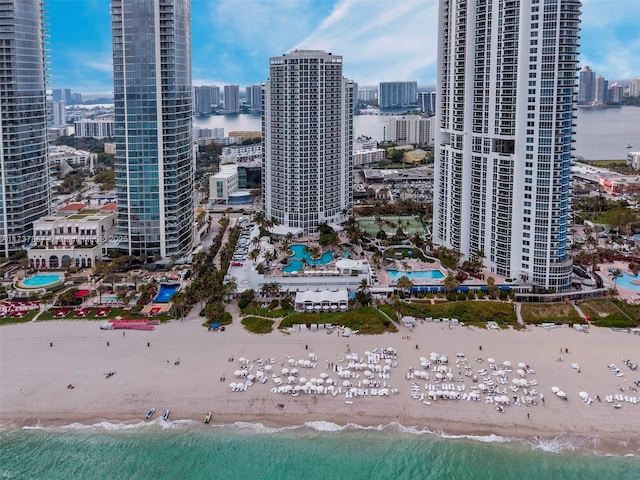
(505, 120)
(602, 90)
(232, 98)
(367, 94)
(397, 94)
(634, 87)
(307, 130)
(427, 102)
(203, 96)
(24, 170)
(154, 160)
(59, 114)
(587, 85)
(616, 93)
(253, 97)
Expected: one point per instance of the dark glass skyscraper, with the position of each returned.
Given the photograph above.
(153, 113)
(24, 171)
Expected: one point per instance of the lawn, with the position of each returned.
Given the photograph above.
(11, 320)
(366, 320)
(599, 308)
(113, 313)
(406, 252)
(410, 224)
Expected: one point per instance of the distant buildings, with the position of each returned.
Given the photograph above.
(367, 94)
(411, 129)
(427, 102)
(204, 99)
(96, 128)
(616, 93)
(232, 98)
(24, 176)
(253, 97)
(634, 87)
(397, 94)
(503, 148)
(366, 152)
(307, 162)
(587, 85)
(59, 114)
(154, 161)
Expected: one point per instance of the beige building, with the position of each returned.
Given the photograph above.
(74, 236)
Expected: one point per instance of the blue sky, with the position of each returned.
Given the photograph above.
(379, 40)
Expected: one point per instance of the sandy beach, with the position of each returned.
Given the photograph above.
(34, 377)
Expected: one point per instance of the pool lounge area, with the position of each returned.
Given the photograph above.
(434, 274)
(301, 256)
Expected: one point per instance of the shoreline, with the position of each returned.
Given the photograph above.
(34, 376)
(589, 443)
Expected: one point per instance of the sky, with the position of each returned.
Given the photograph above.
(379, 40)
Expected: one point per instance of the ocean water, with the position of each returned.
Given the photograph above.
(190, 450)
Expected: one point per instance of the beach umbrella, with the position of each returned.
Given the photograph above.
(232, 385)
(391, 349)
(366, 381)
(346, 383)
(367, 373)
(251, 377)
(491, 360)
(561, 394)
(268, 368)
(516, 381)
(302, 380)
(506, 363)
(291, 379)
(294, 371)
(425, 364)
(277, 381)
(522, 365)
(584, 395)
(449, 375)
(331, 388)
(555, 389)
(324, 375)
(291, 361)
(423, 359)
(521, 372)
(482, 386)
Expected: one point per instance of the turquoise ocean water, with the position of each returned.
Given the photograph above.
(190, 450)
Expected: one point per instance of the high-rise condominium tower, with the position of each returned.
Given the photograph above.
(307, 129)
(24, 171)
(506, 97)
(153, 107)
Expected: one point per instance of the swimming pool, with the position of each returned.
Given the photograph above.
(626, 281)
(416, 275)
(41, 280)
(165, 293)
(300, 256)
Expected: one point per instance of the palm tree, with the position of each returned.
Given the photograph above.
(404, 284)
(615, 275)
(451, 283)
(101, 289)
(364, 285)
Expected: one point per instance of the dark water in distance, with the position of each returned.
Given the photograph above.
(601, 134)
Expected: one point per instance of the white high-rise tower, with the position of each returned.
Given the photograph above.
(307, 124)
(506, 101)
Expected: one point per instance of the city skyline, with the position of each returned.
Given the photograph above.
(231, 46)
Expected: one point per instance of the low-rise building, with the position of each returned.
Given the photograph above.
(74, 236)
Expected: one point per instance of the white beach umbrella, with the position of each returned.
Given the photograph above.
(491, 360)
(367, 373)
(294, 371)
(346, 383)
(506, 363)
(232, 385)
(251, 377)
(366, 381)
(561, 394)
(242, 360)
(584, 395)
(324, 375)
(277, 381)
(284, 371)
(302, 380)
(291, 361)
(425, 363)
(482, 386)
(238, 373)
(521, 372)
(291, 379)
(423, 359)
(516, 381)
(268, 368)
(522, 365)
(555, 389)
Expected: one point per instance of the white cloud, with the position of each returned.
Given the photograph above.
(381, 41)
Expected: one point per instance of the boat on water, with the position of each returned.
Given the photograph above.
(629, 145)
(165, 415)
(207, 419)
(151, 412)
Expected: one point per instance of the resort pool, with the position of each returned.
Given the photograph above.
(165, 293)
(300, 256)
(416, 275)
(628, 281)
(41, 280)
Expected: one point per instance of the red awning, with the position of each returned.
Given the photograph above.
(82, 293)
